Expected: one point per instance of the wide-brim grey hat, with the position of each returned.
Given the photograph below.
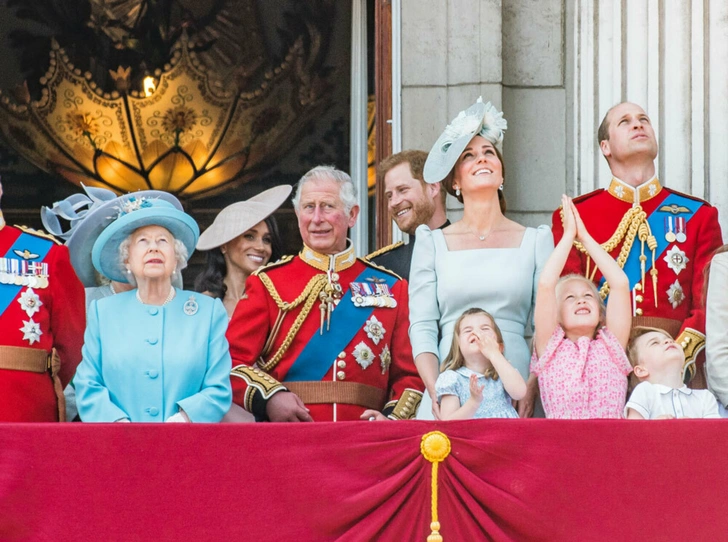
(239, 217)
(479, 119)
(133, 215)
(88, 215)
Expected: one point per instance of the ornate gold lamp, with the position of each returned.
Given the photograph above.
(187, 134)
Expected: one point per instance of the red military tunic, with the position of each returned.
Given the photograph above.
(377, 361)
(58, 323)
(679, 309)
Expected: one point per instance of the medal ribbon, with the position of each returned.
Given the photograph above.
(34, 244)
(632, 266)
(319, 354)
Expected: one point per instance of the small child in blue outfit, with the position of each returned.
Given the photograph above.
(476, 380)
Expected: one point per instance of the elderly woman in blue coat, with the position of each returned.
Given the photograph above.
(156, 353)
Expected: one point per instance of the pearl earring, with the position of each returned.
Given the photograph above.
(457, 192)
(500, 187)
(128, 271)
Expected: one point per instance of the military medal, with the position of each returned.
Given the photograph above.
(386, 359)
(374, 329)
(30, 302)
(675, 294)
(681, 236)
(31, 331)
(372, 295)
(669, 230)
(363, 355)
(23, 273)
(676, 259)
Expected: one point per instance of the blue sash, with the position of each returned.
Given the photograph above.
(632, 266)
(36, 245)
(346, 321)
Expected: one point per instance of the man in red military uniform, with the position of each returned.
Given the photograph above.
(41, 309)
(324, 335)
(662, 239)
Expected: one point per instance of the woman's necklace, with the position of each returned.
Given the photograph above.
(474, 232)
(170, 297)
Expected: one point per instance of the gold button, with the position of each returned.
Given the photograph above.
(341, 364)
(638, 312)
(638, 298)
(342, 355)
(638, 287)
(341, 375)
(405, 410)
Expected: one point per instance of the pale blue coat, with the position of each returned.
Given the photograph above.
(145, 362)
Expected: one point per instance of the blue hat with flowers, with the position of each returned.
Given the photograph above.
(87, 215)
(135, 213)
(479, 119)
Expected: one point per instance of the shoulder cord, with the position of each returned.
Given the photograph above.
(309, 295)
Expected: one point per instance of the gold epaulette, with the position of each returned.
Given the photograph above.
(406, 407)
(383, 250)
(38, 233)
(384, 269)
(282, 261)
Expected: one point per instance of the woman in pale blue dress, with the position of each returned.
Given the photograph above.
(483, 260)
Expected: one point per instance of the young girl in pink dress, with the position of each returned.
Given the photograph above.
(579, 347)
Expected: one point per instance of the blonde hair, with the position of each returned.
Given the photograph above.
(455, 358)
(602, 307)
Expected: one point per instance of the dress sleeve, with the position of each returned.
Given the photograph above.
(641, 400)
(92, 396)
(539, 364)
(543, 248)
(716, 328)
(447, 384)
(213, 400)
(616, 353)
(423, 307)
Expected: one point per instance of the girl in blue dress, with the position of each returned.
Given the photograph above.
(476, 380)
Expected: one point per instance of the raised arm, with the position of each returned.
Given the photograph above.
(545, 311)
(511, 379)
(619, 307)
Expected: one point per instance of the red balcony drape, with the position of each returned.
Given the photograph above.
(503, 480)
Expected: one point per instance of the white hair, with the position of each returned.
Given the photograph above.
(180, 255)
(347, 190)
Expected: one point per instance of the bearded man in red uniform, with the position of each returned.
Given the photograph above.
(42, 321)
(660, 237)
(324, 335)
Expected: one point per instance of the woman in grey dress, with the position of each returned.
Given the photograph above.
(484, 260)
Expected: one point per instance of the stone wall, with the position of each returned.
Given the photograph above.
(512, 53)
(555, 67)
